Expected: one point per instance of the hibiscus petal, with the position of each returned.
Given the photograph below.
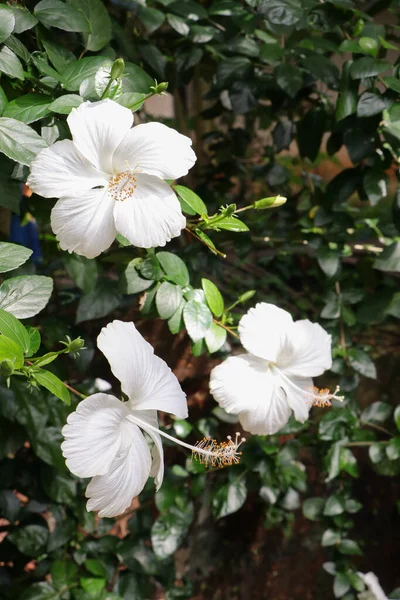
(299, 399)
(84, 224)
(157, 453)
(311, 352)
(266, 331)
(244, 385)
(93, 435)
(97, 130)
(112, 494)
(145, 378)
(155, 149)
(152, 216)
(61, 171)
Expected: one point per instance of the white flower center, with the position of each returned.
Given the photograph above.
(122, 186)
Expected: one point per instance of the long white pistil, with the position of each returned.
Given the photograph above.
(207, 450)
(319, 397)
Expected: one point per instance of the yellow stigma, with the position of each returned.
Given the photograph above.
(122, 186)
(223, 454)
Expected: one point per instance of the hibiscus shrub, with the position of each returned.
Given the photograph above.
(274, 260)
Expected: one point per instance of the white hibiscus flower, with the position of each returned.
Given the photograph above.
(110, 179)
(104, 439)
(264, 386)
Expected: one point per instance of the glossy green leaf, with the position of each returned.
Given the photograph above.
(362, 363)
(12, 256)
(13, 329)
(174, 267)
(215, 338)
(229, 498)
(55, 13)
(168, 299)
(98, 23)
(52, 383)
(213, 296)
(19, 141)
(28, 108)
(10, 64)
(190, 199)
(26, 295)
(11, 351)
(7, 22)
(64, 104)
(197, 318)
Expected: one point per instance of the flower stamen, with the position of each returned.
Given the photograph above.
(223, 454)
(323, 397)
(122, 186)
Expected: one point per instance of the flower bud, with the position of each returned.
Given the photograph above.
(160, 87)
(246, 296)
(6, 367)
(117, 69)
(271, 202)
(73, 345)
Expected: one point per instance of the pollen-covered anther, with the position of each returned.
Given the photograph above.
(323, 397)
(122, 186)
(209, 452)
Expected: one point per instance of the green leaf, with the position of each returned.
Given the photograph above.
(377, 412)
(180, 25)
(375, 183)
(83, 271)
(174, 267)
(348, 462)
(13, 329)
(60, 487)
(96, 567)
(197, 318)
(334, 506)
(34, 340)
(40, 591)
(233, 69)
(52, 383)
(19, 141)
(10, 64)
(98, 23)
(136, 79)
(59, 56)
(54, 13)
(349, 547)
(371, 104)
(64, 104)
(18, 48)
(389, 260)
(368, 67)
(315, 121)
(98, 303)
(229, 498)
(190, 199)
(7, 22)
(330, 538)
(10, 350)
(230, 224)
(329, 261)
(396, 417)
(30, 540)
(168, 299)
(93, 585)
(289, 78)
(213, 296)
(348, 94)
(362, 363)
(215, 338)
(81, 69)
(150, 268)
(368, 45)
(151, 18)
(28, 108)
(341, 585)
(312, 508)
(63, 572)
(170, 529)
(131, 282)
(24, 20)
(12, 256)
(392, 82)
(175, 323)
(26, 295)
(132, 100)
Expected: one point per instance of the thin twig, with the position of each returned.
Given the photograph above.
(228, 329)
